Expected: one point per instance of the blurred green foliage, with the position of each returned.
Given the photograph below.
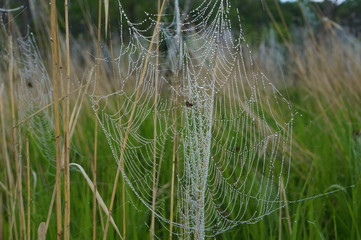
(256, 16)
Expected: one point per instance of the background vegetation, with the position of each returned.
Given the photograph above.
(315, 61)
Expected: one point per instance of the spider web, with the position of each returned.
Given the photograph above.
(35, 91)
(198, 88)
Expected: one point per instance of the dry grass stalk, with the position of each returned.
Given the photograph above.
(42, 231)
(95, 154)
(54, 47)
(17, 190)
(1, 218)
(154, 188)
(28, 188)
(6, 161)
(12, 102)
(51, 206)
(9, 174)
(66, 131)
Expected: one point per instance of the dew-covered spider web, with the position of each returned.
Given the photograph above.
(34, 92)
(192, 107)
(35, 87)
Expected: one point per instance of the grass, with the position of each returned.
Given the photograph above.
(322, 77)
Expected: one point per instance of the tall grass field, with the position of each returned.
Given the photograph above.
(176, 126)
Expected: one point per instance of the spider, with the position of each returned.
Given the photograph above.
(189, 104)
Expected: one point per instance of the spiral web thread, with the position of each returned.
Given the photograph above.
(233, 128)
